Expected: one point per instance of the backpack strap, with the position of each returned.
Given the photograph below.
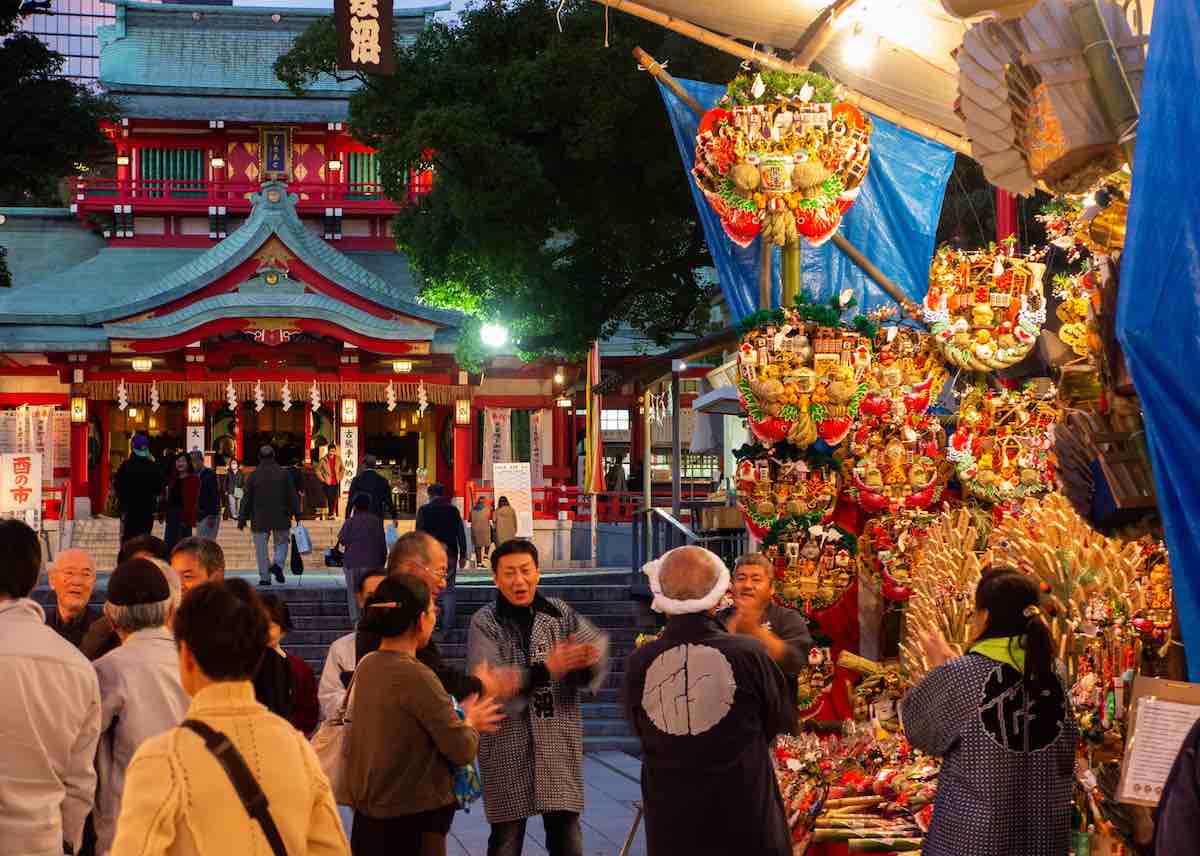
(248, 790)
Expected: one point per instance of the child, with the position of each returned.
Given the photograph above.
(365, 546)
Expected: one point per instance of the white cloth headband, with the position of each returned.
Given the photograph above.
(669, 605)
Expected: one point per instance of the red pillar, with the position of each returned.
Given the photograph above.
(79, 467)
(462, 456)
(1006, 215)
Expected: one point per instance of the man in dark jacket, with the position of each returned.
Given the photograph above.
(138, 484)
(441, 519)
(269, 503)
(706, 705)
(375, 486)
(208, 503)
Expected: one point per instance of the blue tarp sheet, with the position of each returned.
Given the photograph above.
(1158, 309)
(894, 222)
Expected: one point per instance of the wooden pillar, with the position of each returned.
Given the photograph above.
(1006, 215)
(462, 454)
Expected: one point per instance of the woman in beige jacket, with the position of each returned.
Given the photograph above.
(178, 799)
(506, 522)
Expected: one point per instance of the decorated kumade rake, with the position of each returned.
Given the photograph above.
(1002, 448)
(985, 309)
(782, 157)
(801, 381)
(891, 550)
(814, 562)
(784, 482)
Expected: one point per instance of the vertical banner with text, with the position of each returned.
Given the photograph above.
(512, 480)
(497, 439)
(21, 487)
(364, 35)
(348, 446)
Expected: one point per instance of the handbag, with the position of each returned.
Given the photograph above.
(331, 743)
(334, 557)
(302, 539)
(297, 563)
(468, 787)
(247, 787)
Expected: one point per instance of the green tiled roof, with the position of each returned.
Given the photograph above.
(37, 339)
(43, 241)
(215, 49)
(272, 304)
(230, 108)
(117, 283)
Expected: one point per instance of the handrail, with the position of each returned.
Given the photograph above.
(109, 190)
(671, 519)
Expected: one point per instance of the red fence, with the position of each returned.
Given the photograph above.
(549, 501)
(102, 193)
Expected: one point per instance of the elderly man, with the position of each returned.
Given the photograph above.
(533, 764)
(49, 715)
(706, 705)
(208, 502)
(783, 632)
(72, 577)
(198, 560)
(140, 692)
(269, 504)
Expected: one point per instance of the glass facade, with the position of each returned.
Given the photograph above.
(70, 29)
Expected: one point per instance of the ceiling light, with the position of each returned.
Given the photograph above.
(142, 364)
(402, 366)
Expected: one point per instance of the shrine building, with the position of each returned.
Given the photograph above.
(233, 282)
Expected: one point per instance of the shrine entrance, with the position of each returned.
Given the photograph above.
(285, 430)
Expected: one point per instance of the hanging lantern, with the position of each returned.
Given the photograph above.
(349, 411)
(78, 409)
(195, 411)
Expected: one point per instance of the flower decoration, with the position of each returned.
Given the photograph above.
(781, 156)
(985, 309)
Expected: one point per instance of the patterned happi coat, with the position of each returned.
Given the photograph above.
(1005, 785)
(533, 763)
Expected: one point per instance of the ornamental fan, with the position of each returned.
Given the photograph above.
(285, 397)
(390, 394)
(314, 397)
(422, 398)
(780, 155)
(231, 395)
(259, 400)
(122, 395)
(153, 396)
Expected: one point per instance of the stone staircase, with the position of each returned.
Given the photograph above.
(320, 615)
(100, 536)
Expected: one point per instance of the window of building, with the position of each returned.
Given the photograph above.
(614, 420)
(695, 467)
(362, 173)
(182, 168)
(70, 29)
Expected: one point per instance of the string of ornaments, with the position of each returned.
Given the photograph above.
(285, 397)
(154, 396)
(122, 395)
(259, 400)
(231, 395)
(314, 396)
(391, 397)
(422, 398)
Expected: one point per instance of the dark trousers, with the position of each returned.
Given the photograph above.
(175, 530)
(421, 834)
(563, 835)
(449, 598)
(333, 493)
(135, 524)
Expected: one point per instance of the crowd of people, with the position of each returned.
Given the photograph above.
(173, 721)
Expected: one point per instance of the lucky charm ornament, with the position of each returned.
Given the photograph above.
(781, 482)
(780, 155)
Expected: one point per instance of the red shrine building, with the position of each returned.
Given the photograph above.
(233, 283)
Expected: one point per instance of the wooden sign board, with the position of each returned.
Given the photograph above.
(364, 35)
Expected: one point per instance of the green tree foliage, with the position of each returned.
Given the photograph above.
(559, 206)
(51, 124)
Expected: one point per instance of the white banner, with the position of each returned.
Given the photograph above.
(513, 481)
(195, 438)
(497, 439)
(21, 487)
(541, 444)
(62, 440)
(348, 446)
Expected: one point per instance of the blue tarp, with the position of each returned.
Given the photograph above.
(1158, 308)
(894, 222)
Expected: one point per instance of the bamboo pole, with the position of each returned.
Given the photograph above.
(764, 273)
(791, 272)
(654, 67)
(819, 33)
(865, 102)
(879, 277)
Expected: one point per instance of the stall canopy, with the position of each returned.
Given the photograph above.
(1158, 309)
(894, 221)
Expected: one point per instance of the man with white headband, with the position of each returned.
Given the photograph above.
(706, 705)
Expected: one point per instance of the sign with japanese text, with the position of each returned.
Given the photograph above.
(364, 35)
(275, 150)
(514, 482)
(497, 438)
(21, 487)
(348, 447)
(195, 438)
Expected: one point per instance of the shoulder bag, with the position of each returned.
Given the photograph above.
(247, 787)
(331, 743)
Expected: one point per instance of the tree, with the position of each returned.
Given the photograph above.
(52, 125)
(559, 206)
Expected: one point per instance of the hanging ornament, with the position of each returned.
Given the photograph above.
(285, 397)
(231, 395)
(154, 396)
(259, 401)
(391, 397)
(422, 398)
(122, 395)
(314, 395)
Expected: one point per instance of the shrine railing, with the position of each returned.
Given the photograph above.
(145, 194)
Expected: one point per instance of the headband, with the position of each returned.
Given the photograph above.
(669, 605)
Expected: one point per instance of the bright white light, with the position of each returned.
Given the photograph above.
(859, 49)
(493, 335)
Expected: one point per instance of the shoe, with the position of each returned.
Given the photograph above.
(277, 572)
(265, 582)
